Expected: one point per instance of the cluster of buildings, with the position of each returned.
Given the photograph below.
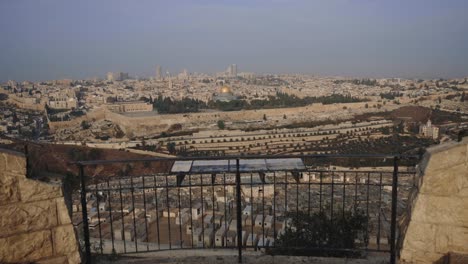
(22, 123)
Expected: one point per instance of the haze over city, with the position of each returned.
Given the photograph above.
(43, 40)
(234, 131)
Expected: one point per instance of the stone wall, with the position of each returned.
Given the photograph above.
(438, 219)
(35, 225)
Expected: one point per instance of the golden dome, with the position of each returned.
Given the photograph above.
(225, 90)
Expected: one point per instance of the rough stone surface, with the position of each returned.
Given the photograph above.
(35, 226)
(36, 191)
(55, 260)
(26, 247)
(26, 217)
(62, 212)
(64, 240)
(9, 181)
(439, 213)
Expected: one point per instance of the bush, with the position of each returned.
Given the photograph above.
(320, 231)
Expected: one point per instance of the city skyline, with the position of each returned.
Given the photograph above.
(376, 39)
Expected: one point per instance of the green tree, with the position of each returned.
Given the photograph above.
(264, 117)
(85, 124)
(221, 124)
(319, 230)
(171, 147)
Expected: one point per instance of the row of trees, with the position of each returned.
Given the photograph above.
(368, 82)
(390, 95)
(166, 105)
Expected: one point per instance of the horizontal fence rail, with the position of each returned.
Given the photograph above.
(239, 209)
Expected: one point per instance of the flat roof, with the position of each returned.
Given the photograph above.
(245, 165)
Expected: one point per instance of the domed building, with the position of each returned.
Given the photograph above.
(225, 95)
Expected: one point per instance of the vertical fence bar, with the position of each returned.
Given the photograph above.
(394, 211)
(157, 210)
(355, 191)
(99, 217)
(320, 197)
(135, 235)
(252, 220)
(110, 216)
(84, 211)
(380, 211)
(213, 180)
(225, 207)
(274, 205)
(122, 217)
(332, 199)
(191, 208)
(344, 194)
(308, 201)
(180, 217)
(239, 213)
(367, 210)
(146, 212)
(202, 211)
(168, 213)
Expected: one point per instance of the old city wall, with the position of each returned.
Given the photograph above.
(160, 123)
(34, 222)
(438, 214)
(94, 115)
(144, 125)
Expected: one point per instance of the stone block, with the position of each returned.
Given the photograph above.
(62, 212)
(424, 257)
(9, 192)
(420, 237)
(64, 240)
(418, 257)
(458, 238)
(32, 190)
(54, 260)
(14, 162)
(442, 157)
(74, 258)
(27, 247)
(18, 218)
(445, 182)
(441, 210)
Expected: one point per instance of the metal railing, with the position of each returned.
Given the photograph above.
(243, 208)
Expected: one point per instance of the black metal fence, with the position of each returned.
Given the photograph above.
(240, 208)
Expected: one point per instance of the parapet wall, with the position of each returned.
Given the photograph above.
(438, 220)
(35, 225)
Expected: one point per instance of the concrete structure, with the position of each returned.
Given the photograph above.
(117, 76)
(158, 73)
(429, 130)
(436, 222)
(130, 107)
(35, 225)
(62, 102)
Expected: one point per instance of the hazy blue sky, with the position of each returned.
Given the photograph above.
(47, 39)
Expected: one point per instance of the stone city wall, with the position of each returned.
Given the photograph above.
(437, 221)
(144, 125)
(35, 225)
